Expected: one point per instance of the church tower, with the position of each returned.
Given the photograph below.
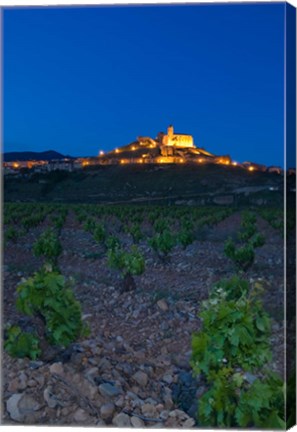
(170, 131)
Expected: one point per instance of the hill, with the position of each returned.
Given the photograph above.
(28, 155)
(168, 183)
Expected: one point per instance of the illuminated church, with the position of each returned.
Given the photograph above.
(165, 148)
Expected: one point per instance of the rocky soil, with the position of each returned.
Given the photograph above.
(134, 368)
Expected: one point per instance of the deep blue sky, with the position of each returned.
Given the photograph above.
(77, 80)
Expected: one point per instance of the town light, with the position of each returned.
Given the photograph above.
(251, 168)
(234, 163)
(117, 150)
(101, 153)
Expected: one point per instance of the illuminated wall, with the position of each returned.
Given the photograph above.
(177, 140)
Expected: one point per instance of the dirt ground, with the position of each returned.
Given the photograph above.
(140, 341)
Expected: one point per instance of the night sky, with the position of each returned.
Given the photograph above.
(80, 80)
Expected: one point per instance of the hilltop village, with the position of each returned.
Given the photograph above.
(169, 148)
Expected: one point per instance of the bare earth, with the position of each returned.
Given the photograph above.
(133, 369)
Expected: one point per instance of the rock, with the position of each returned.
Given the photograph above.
(168, 378)
(171, 422)
(186, 378)
(159, 407)
(152, 401)
(107, 411)
(27, 404)
(104, 364)
(149, 410)
(190, 422)
(56, 368)
(181, 415)
(137, 422)
(40, 379)
(91, 373)
(23, 380)
(108, 390)
(167, 398)
(141, 378)
(65, 411)
(121, 420)
(139, 355)
(100, 422)
(13, 385)
(119, 402)
(162, 304)
(13, 408)
(50, 398)
(80, 416)
(164, 415)
(20, 405)
(136, 401)
(35, 364)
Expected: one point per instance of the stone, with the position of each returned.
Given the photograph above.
(168, 378)
(190, 422)
(13, 408)
(121, 420)
(119, 402)
(40, 379)
(162, 304)
(27, 404)
(23, 380)
(80, 416)
(91, 373)
(35, 364)
(141, 378)
(152, 401)
(136, 422)
(159, 407)
(180, 414)
(13, 385)
(104, 364)
(149, 410)
(164, 415)
(167, 398)
(139, 355)
(186, 378)
(171, 422)
(109, 390)
(50, 398)
(100, 422)
(20, 405)
(107, 410)
(56, 368)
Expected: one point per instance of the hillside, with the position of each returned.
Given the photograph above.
(28, 155)
(191, 184)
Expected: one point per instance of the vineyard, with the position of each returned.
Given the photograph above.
(143, 315)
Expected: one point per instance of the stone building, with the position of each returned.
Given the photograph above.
(177, 140)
